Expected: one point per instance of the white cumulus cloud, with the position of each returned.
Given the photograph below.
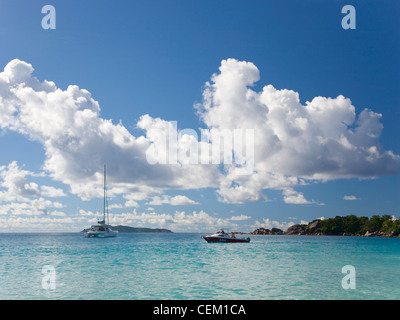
(323, 139)
(178, 200)
(350, 198)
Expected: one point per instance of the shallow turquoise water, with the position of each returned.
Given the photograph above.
(184, 266)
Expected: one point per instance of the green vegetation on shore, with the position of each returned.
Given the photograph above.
(351, 225)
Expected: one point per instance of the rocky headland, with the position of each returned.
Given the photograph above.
(376, 226)
(267, 231)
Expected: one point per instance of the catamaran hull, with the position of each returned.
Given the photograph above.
(102, 230)
(218, 239)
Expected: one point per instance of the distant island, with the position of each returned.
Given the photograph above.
(127, 229)
(351, 225)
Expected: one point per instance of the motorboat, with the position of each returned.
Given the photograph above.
(101, 229)
(222, 236)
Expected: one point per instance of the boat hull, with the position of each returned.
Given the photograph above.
(100, 234)
(232, 240)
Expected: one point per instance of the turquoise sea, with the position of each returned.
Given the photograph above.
(184, 266)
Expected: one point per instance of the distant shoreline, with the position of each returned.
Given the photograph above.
(127, 229)
(351, 225)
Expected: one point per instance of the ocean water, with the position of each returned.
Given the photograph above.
(185, 266)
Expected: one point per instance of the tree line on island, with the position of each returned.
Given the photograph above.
(127, 229)
(351, 225)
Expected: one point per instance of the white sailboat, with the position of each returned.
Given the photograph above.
(101, 229)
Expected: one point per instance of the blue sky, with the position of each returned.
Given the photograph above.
(154, 58)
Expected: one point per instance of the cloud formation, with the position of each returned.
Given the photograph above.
(16, 186)
(350, 198)
(77, 141)
(324, 139)
(178, 200)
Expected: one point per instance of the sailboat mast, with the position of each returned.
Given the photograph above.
(104, 200)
